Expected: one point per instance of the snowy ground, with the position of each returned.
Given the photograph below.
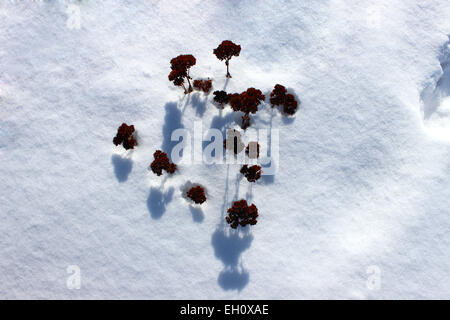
(363, 188)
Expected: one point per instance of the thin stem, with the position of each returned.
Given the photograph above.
(245, 121)
(188, 77)
(185, 91)
(227, 63)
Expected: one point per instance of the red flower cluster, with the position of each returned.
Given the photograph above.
(161, 163)
(252, 150)
(125, 137)
(221, 97)
(225, 51)
(203, 85)
(252, 173)
(241, 214)
(246, 102)
(290, 104)
(180, 70)
(197, 194)
(279, 97)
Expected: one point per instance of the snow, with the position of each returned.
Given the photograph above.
(436, 99)
(363, 181)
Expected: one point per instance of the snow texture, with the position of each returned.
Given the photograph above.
(363, 181)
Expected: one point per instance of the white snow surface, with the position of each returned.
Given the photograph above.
(363, 181)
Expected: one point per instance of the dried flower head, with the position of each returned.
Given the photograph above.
(225, 51)
(180, 70)
(203, 85)
(161, 163)
(280, 97)
(241, 214)
(197, 194)
(221, 97)
(252, 173)
(125, 137)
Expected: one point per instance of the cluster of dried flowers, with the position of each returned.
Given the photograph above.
(280, 97)
(246, 102)
(252, 173)
(197, 194)
(181, 64)
(221, 97)
(125, 137)
(180, 70)
(225, 51)
(161, 163)
(242, 214)
(203, 85)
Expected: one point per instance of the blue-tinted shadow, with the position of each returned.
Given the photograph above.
(197, 214)
(122, 167)
(172, 121)
(157, 202)
(228, 246)
(199, 103)
(233, 279)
